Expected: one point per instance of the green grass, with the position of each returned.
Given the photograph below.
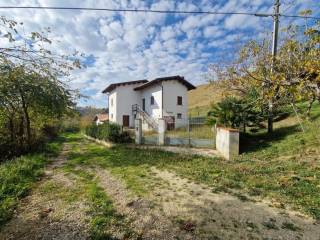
(284, 166)
(18, 175)
(103, 217)
(197, 131)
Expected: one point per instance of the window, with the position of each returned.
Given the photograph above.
(152, 100)
(179, 115)
(179, 100)
(143, 104)
(111, 102)
(111, 115)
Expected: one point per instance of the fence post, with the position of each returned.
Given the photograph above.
(214, 130)
(188, 122)
(228, 142)
(138, 131)
(161, 131)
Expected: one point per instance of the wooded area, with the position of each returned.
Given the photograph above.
(33, 97)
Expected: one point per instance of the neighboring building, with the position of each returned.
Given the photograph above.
(149, 100)
(101, 118)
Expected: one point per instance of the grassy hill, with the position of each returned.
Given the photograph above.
(201, 98)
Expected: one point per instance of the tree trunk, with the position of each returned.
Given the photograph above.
(21, 133)
(270, 117)
(11, 129)
(310, 106)
(27, 118)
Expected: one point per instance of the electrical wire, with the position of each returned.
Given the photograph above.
(157, 11)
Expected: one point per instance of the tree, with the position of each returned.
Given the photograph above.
(234, 112)
(293, 76)
(32, 92)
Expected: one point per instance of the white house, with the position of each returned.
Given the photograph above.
(101, 118)
(149, 100)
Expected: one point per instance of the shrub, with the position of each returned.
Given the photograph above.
(108, 132)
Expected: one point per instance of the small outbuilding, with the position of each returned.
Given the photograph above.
(101, 118)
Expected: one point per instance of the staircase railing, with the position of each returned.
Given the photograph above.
(136, 109)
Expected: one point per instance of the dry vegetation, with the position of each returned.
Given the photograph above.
(201, 98)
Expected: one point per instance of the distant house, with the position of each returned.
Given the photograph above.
(101, 118)
(149, 100)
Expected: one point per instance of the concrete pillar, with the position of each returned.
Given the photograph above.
(214, 132)
(227, 142)
(161, 131)
(138, 131)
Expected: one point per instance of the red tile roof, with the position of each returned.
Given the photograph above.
(112, 86)
(158, 80)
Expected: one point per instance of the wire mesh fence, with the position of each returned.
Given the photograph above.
(195, 132)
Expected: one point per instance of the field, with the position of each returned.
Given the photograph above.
(126, 192)
(199, 100)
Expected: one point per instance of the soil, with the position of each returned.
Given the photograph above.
(225, 216)
(40, 216)
(176, 208)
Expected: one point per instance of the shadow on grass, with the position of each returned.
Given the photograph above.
(258, 141)
(123, 156)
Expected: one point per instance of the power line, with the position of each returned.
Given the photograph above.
(157, 11)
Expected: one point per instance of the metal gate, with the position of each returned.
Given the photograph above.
(193, 132)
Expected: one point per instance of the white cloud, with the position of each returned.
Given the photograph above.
(129, 46)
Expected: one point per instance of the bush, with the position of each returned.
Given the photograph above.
(109, 132)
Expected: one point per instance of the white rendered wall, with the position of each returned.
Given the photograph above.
(155, 110)
(122, 104)
(113, 108)
(171, 91)
(227, 142)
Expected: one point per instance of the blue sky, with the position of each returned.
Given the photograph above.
(131, 46)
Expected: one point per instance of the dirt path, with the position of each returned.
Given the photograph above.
(224, 216)
(44, 215)
(206, 152)
(175, 209)
(145, 217)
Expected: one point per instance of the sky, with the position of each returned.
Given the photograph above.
(132, 46)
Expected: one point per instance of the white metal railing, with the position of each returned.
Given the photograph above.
(136, 109)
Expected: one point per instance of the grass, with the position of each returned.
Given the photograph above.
(197, 131)
(103, 216)
(18, 175)
(199, 99)
(283, 166)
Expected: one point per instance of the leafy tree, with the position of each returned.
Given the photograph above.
(234, 112)
(32, 92)
(292, 76)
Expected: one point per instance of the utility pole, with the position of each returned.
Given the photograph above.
(274, 53)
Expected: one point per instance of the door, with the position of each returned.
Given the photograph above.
(125, 120)
(143, 104)
(170, 122)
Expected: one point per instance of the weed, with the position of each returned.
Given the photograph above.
(290, 226)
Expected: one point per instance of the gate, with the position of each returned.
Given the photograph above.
(193, 132)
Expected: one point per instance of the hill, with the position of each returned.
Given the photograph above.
(201, 98)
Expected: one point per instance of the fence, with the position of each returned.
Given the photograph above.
(193, 132)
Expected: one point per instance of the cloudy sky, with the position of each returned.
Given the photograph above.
(131, 46)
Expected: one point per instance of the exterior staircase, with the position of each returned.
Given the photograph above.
(138, 112)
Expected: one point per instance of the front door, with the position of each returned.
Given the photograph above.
(125, 120)
(170, 122)
(143, 104)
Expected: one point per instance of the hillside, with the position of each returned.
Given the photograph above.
(201, 98)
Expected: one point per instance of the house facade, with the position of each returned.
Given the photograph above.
(149, 100)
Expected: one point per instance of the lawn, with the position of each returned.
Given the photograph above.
(283, 167)
(18, 175)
